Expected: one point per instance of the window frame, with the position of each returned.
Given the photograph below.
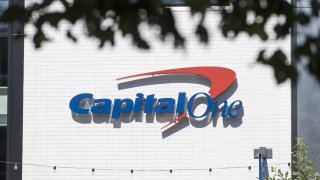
(15, 98)
(3, 34)
(182, 3)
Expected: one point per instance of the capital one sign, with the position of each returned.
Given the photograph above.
(220, 78)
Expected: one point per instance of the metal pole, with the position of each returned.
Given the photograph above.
(260, 167)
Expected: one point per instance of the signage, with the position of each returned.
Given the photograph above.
(220, 80)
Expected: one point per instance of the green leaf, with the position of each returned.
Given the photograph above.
(202, 34)
(283, 70)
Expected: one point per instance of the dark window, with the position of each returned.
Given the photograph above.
(3, 102)
(3, 62)
(3, 6)
(182, 2)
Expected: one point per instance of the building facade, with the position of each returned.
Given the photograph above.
(48, 138)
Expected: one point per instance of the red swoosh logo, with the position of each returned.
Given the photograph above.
(221, 78)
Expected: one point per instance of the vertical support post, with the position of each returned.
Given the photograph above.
(15, 97)
(260, 167)
(263, 154)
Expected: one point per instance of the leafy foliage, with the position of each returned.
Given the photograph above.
(279, 175)
(102, 18)
(302, 166)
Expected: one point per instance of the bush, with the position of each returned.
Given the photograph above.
(302, 165)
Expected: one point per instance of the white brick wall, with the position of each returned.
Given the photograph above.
(62, 69)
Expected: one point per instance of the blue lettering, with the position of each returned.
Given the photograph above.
(149, 103)
(84, 104)
(232, 108)
(181, 102)
(191, 101)
(75, 102)
(138, 103)
(224, 112)
(119, 108)
(102, 106)
(166, 105)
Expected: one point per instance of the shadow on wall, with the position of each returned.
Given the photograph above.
(210, 118)
(166, 117)
(165, 79)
